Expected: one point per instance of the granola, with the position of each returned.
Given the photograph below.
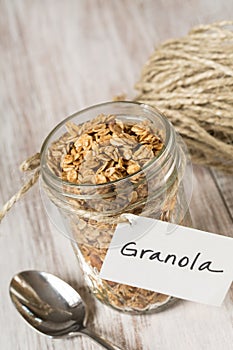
(102, 152)
(107, 151)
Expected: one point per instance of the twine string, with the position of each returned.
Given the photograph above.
(30, 164)
(190, 80)
(33, 164)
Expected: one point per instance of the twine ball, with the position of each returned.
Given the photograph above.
(191, 81)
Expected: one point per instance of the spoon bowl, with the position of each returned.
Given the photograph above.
(51, 306)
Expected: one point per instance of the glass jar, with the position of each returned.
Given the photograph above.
(91, 211)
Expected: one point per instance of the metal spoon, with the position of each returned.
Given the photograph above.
(51, 306)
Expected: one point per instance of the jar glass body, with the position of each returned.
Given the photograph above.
(91, 212)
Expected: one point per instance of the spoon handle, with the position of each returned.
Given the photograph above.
(106, 344)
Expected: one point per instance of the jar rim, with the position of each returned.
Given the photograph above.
(169, 139)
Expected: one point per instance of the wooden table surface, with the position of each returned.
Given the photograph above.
(58, 57)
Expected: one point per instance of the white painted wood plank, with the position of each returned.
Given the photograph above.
(224, 183)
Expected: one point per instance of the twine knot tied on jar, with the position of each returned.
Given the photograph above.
(30, 164)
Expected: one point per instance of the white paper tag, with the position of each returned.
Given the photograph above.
(170, 259)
